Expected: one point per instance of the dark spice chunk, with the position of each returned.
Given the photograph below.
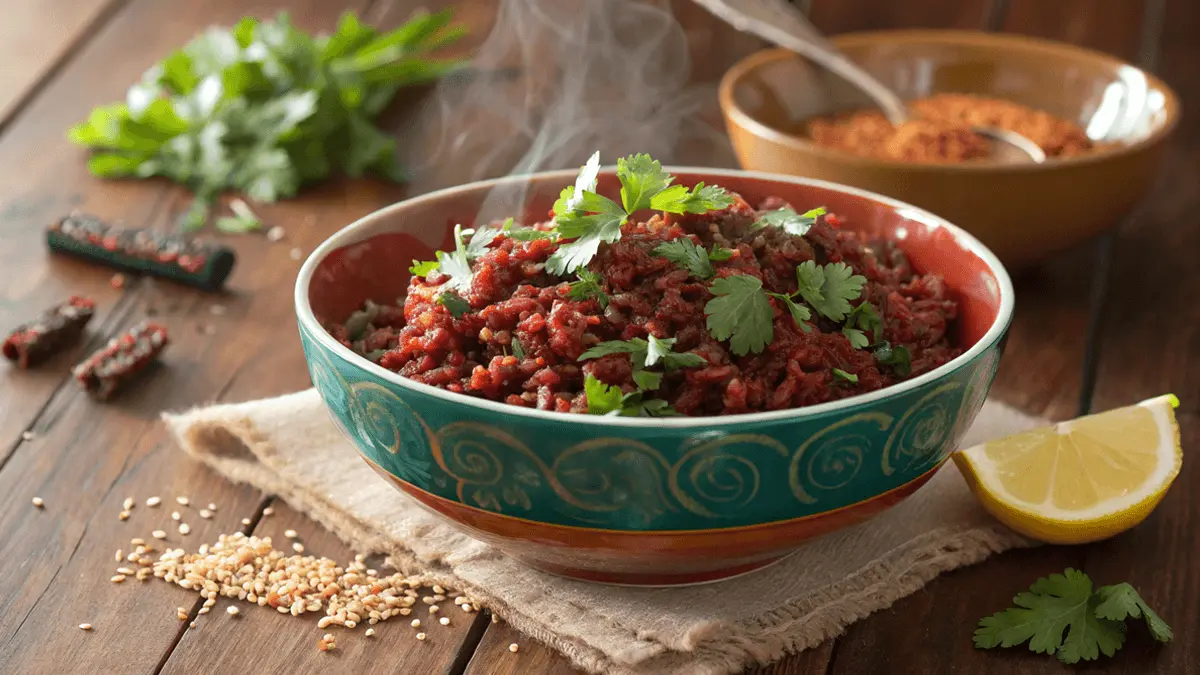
(104, 371)
(57, 327)
(193, 262)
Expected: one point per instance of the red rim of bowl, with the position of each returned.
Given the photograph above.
(345, 237)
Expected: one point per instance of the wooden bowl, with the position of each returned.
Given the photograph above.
(652, 501)
(1021, 212)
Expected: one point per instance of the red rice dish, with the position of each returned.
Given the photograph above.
(522, 337)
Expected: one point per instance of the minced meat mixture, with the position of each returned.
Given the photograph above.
(521, 339)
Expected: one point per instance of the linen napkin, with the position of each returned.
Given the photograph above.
(288, 446)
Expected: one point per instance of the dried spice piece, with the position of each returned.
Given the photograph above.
(104, 371)
(57, 327)
(194, 262)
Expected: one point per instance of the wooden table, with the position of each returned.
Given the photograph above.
(1099, 327)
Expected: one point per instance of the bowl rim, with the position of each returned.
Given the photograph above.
(995, 332)
(738, 71)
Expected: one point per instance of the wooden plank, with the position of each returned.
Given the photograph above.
(265, 641)
(37, 36)
(1149, 341)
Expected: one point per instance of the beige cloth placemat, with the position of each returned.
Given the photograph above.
(288, 446)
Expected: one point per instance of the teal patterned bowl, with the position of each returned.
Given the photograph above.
(647, 500)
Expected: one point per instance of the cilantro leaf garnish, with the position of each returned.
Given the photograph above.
(242, 220)
(636, 348)
(829, 288)
(602, 399)
(264, 108)
(898, 357)
(700, 199)
(423, 268)
(591, 219)
(647, 379)
(1121, 601)
(840, 374)
(359, 321)
(863, 319)
(740, 313)
(530, 234)
(589, 285)
(657, 350)
(687, 254)
(800, 313)
(456, 266)
(454, 303)
(518, 349)
(1093, 622)
(789, 221)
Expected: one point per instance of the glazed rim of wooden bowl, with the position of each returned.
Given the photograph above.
(1002, 42)
(347, 236)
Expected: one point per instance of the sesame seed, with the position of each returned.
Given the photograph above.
(495, 619)
(175, 515)
(181, 613)
(158, 534)
(27, 435)
(420, 636)
(127, 504)
(204, 610)
(124, 515)
(445, 621)
(212, 507)
(298, 547)
(351, 624)
(182, 501)
(275, 233)
(434, 609)
(153, 502)
(296, 254)
(205, 513)
(405, 611)
(370, 632)
(85, 626)
(184, 528)
(465, 607)
(217, 310)
(231, 610)
(39, 502)
(119, 556)
(192, 624)
(438, 590)
(137, 541)
(125, 571)
(268, 511)
(117, 578)
(245, 521)
(290, 534)
(210, 602)
(513, 648)
(416, 623)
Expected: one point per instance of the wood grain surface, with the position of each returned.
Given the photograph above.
(1098, 327)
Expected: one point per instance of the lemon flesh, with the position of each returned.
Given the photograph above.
(1079, 481)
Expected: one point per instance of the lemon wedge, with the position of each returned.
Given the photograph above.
(1083, 480)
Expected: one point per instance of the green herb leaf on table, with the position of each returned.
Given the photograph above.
(896, 357)
(789, 221)
(454, 303)
(840, 374)
(829, 288)
(264, 108)
(243, 220)
(1121, 601)
(1093, 622)
(740, 313)
(589, 286)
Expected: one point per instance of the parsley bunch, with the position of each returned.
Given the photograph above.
(1093, 620)
(588, 218)
(264, 108)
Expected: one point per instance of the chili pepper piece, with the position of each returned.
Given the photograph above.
(102, 373)
(31, 343)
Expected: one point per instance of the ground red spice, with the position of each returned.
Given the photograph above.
(512, 297)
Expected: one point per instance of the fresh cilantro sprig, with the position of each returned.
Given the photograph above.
(690, 256)
(603, 399)
(740, 312)
(264, 108)
(589, 286)
(1093, 621)
(590, 219)
(645, 353)
(789, 221)
(896, 357)
(844, 376)
(454, 303)
(863, 319)
(829, 288)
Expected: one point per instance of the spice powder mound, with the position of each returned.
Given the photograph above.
(940, 131)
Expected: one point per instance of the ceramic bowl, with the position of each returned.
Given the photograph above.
(1022, 213)
(654, 501)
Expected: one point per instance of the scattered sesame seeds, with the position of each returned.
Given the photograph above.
(416, 623)
(438, 590)
(212, 507)
(298, 547)
(184, 528)
(434, 609)
(117, 578)
(205, 513)
(275, 233)
(127, 504)
(125, 570)
(420, 636)
(231, 610)
(153, 502)
(124, 515)
(158, 534)
(445, 621)
(296, 253)
(137, 541)
(513, 648)
(181, 613)
(245, 521)
(370, 632)
(39, 502)
(182, 501)
(27, 435)
(175, 515)
(119, 556)
(192, 624)
(85, 626)
(268, 511)
(290, 534)
(204, 610)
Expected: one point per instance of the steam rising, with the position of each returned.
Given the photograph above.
(584, 75)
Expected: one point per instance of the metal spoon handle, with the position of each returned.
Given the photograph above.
(782, 24)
